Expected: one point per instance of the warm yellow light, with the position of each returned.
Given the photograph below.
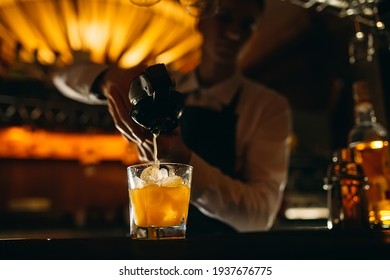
(371, 145)
(180, 49)
(145, 44)
(89, 148)
(306, 213)
(71, 25)
(110, 31)
(144, 3)
(385, 215)
(381, 217)
(377, 144)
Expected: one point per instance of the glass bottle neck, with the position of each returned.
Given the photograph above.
(364, 113)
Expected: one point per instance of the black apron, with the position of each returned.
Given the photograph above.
(211, 134)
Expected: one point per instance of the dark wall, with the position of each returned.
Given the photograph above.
(70, 189)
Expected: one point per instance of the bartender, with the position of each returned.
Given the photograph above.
(233, 131)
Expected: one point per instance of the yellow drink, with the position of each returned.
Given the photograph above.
(159, 197)
(374, 158)
(160, 206)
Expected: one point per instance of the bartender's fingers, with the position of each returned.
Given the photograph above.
(145, 149)
(127, 126)
(122, 120)
(145, 152)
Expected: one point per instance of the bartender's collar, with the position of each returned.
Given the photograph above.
(223, 91)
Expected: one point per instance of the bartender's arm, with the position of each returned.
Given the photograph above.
(88, 82)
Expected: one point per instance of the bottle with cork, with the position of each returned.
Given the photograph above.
(369, 141)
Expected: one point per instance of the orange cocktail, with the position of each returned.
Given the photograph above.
(159, 200)
(156, 206)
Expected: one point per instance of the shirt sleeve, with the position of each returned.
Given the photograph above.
(75, 82)
(251, 203)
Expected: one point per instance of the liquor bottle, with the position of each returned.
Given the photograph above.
(346, 187)
(368, 139)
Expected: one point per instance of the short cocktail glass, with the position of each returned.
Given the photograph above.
(159, 196)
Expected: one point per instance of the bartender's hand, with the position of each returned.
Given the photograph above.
(115, 84)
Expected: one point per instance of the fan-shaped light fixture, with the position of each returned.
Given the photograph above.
(144, 3)
(55, 32)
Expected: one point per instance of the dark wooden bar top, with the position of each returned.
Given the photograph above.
(274, 245)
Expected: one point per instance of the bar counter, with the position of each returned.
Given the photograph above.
(311, 244)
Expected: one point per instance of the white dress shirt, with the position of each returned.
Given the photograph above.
(262, 146)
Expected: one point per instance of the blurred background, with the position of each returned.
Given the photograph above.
(62, 163)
